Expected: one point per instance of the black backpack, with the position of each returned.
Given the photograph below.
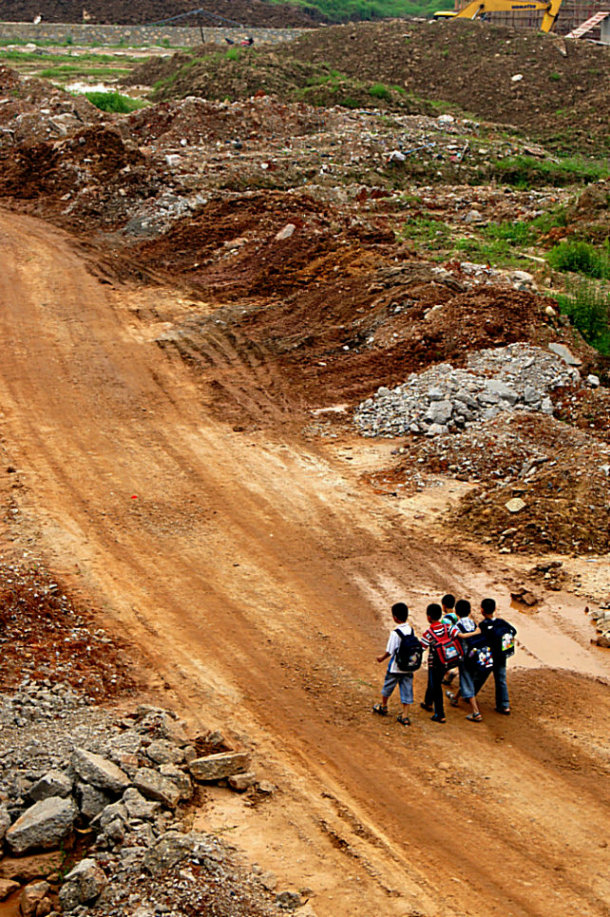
(478, 652)
(503, 639)
(409, 654)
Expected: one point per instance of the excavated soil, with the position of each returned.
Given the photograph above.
(245, 12)
(559, 98)
(550, 89)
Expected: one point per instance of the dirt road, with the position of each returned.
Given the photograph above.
(254, 571)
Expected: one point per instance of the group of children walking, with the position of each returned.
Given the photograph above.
(453, 640)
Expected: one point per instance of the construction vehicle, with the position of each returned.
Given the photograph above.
(483, 7)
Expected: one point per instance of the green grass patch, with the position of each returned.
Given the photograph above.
(379, 91)
(581, 258)
(67, 72)
(527, 171)
(114, 102)
(587, 305)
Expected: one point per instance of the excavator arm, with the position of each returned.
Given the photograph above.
(478, 7)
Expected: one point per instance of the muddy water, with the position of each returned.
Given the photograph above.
(10, 907)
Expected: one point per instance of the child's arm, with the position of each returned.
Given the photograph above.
(385, 656)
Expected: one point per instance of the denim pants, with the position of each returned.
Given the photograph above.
(499, 673)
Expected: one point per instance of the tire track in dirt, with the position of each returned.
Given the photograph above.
(254, 599)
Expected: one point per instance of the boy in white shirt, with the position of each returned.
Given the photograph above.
(395, 676)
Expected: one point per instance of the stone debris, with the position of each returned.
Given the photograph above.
(132, 823)
(519, 377)
(219, 766)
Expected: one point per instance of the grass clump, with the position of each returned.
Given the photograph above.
(114, 102)
(581, 258)
(587, 305)
(379, 91)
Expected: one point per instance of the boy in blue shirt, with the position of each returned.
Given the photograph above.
(395, 676)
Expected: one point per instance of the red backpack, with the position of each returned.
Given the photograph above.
(449, 649)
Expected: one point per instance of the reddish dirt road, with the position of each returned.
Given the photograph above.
(254, 572)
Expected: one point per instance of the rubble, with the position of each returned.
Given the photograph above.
(129, 836)
(444, 399)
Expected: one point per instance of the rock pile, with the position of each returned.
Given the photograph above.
(442, 399)
(102, 799)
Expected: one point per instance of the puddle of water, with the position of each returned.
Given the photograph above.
(10, 907)
(88, 87)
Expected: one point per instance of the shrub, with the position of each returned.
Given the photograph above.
(233, 54)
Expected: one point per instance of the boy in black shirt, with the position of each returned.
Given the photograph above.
(499, 633)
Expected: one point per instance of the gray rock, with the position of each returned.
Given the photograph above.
(45, 824)
(169, 850)
(155, 786)
(5, 821)
(115, 831)
(109, 814)
(505, 392)
(216, 767)
(435, 394)
(99, 771)
(164, 726)
(466, 398)
(593, 380)
(82, 885)
(164, 752)
(137, 806)
(546, 406)
(54, 783)
(515, 505)
(566, 355)
(92, 800)
(289, 901)
(183, 781)
(242, 782)
(439, 412)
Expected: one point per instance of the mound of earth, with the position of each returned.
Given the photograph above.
(242, 73)
(257, 13)
(551, 89)
(560, 504)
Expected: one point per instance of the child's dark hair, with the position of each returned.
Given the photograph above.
(448, 601)
(488, 606)
(400, 611)
(462, 608)
(434, 612)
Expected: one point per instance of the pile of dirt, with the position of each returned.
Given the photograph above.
(565, 506)
(559, 473)
(45, 634)
(258, 13)
(551, 89)
(334, 313)
(242, 73)
(198, 121)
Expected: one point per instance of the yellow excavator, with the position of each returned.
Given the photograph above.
(482, 7)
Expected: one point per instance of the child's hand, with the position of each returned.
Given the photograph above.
(381, 658)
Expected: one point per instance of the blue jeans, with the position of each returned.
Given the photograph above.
(499, 673)
(404, 680)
